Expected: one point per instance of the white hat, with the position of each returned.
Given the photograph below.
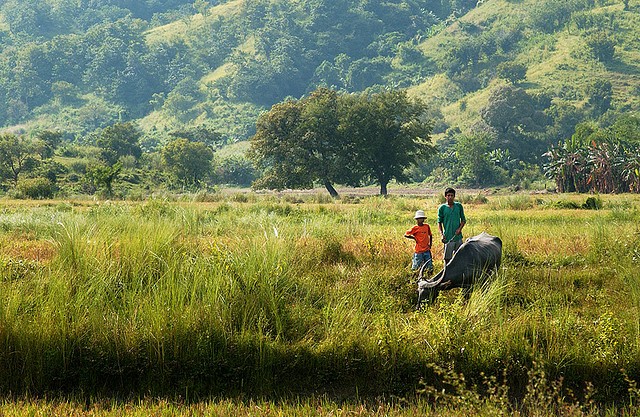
(420, 215)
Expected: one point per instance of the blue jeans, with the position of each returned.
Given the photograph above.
(422, 258)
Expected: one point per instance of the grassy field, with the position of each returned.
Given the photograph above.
(298, 305)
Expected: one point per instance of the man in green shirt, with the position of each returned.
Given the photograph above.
(451, 220)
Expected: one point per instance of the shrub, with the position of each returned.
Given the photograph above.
(234, 170)
(592, 203)
(514, 202)
(78, 166)
(601, 46)
(36, 188)
(512, 71)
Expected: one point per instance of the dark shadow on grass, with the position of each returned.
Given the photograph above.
(199, 365)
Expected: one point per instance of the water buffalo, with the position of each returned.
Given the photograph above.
(477, 255)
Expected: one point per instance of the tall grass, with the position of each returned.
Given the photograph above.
(270, 297)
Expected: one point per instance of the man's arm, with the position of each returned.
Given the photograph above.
(463, 220)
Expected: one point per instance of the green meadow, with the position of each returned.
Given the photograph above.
(252, 304)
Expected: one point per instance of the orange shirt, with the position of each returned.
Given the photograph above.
(423, 237)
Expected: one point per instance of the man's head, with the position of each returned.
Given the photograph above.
(450, 195)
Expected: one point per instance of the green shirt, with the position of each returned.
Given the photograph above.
(451, 217)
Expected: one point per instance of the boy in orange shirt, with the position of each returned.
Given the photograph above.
(421, 233)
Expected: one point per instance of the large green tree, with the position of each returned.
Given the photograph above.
(329, 151)
(274, 149)
(189, 161)
(49, 141)
(103, 176)
(16, 156)
(298, 142)
(473, 153)
(518, 119)
(346, 139)
(118, 140)
(389, 132)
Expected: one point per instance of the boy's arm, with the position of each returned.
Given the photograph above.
(409, 233)
(462, 223)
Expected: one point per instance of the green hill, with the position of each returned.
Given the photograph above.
(179, 65)
(558, 63)
(262, 52)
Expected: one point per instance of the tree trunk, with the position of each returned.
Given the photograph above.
(332, 191)
(383, 188)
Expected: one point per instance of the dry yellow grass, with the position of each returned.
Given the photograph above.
(25, 247)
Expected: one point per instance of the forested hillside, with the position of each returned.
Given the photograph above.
(503, 81)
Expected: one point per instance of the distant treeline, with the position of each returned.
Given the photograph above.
(325, 139)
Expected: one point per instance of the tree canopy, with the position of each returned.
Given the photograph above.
(389, 132)
(349, 139)
(189, 161)
(16, 156)
(119, 140)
